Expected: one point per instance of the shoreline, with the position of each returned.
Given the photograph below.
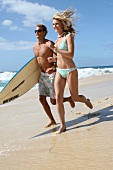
(87, 143)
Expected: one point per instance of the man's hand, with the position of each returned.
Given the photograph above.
(50, 70)
(50, 45)
(51, 59)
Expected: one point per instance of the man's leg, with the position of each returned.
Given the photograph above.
(47, 110)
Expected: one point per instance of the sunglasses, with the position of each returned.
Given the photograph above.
(38, 30)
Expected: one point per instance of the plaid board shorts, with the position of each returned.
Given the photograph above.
(46, 85)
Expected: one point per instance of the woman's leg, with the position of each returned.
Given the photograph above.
(59, 91)
(72, 79)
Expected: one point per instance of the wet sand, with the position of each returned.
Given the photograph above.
(86, 145)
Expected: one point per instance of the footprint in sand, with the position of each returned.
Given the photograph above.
(106, 99)
(78, 113)
(99, 102)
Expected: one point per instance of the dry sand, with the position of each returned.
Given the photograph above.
(86, 145)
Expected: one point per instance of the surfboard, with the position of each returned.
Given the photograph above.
(21, 82)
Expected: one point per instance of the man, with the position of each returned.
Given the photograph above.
(46, 81)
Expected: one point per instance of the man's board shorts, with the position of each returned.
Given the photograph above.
(46, 85)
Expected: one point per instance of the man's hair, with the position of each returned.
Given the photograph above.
(44, 28)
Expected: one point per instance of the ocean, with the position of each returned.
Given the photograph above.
(83, 72)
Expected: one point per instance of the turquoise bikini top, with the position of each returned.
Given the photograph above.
(63, 45)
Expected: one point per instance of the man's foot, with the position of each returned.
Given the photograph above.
(61, 130)
(72, 103)
(89, 104)
(50, 124)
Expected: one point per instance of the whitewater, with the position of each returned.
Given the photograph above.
(5, 77)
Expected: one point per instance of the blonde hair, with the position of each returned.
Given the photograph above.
(66, 19)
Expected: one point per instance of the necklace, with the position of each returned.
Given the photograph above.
(39, 42)
(59, 36)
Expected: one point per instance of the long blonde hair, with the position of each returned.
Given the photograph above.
(66, 19)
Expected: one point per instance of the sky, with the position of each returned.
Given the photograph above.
(18, 19)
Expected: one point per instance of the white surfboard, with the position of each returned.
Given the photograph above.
(22, 82)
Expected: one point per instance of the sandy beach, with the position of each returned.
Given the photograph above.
(86, 145)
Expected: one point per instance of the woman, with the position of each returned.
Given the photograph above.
(66, 71)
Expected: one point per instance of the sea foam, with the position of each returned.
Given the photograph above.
(5, 77)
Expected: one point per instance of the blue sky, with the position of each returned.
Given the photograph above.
(18, 19)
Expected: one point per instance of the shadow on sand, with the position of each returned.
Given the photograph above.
(103, 115)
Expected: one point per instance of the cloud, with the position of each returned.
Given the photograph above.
(5, 45)
(7, 22)
(14, 27)
(2, 39)
(31, 12)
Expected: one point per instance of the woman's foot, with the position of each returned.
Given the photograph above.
(89, 104)
(50, 124)
(61, 130)
(72, 103)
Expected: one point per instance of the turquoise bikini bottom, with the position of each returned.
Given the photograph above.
(65, 72)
